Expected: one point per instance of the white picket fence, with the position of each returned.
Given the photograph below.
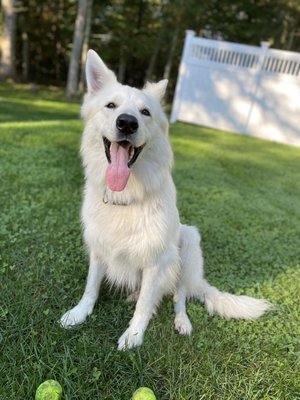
(239, 88)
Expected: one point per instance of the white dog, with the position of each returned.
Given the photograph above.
(131, 223)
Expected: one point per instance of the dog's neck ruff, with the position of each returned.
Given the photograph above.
(107, 200)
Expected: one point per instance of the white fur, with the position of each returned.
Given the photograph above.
(134, 237)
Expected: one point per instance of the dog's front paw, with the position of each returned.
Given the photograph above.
(183, 324)
(132, 337)
(75, 316)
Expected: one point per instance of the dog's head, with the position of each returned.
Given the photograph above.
(124, 123)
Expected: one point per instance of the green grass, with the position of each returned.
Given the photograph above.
(243, 194)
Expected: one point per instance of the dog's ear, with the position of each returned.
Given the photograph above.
(97, 73)
(158, 89)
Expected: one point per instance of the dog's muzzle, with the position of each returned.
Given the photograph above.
(126, 125)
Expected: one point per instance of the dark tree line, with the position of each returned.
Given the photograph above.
(46, 41)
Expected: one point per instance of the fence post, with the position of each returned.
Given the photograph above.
(189, 35)
(264, 46)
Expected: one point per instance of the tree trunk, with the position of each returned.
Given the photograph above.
(25, 56)
(8, 40)
(168, 66)
(122, 65)
(171, 54)
(85, 45)
(293, 34)
(25, 43)
(73, 73)
(153, 59)
(59, 49)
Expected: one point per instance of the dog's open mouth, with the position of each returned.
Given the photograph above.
(133, 152)
(120, 156)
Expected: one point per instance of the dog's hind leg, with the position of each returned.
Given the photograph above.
(84, 308)
(191, 276)
(182, 323)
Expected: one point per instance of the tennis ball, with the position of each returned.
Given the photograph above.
(49, 390)
(143, 393)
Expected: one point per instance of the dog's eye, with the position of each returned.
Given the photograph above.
(146, 112)
(111, 105)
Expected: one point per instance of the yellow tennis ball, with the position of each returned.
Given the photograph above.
(143, 393)
(49, 390)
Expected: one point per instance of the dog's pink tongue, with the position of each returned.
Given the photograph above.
(117, 173)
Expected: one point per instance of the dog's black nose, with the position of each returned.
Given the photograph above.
(127, 124)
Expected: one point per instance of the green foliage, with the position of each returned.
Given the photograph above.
(125, 32)
(242, 193)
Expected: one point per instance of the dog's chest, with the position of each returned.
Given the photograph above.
(128, 235)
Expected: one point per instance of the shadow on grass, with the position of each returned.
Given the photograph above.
(231, 142)
(34, 134)
(12, 110)
(21, 103)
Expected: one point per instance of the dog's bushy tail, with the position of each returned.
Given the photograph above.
(225, 304)
(231, 306)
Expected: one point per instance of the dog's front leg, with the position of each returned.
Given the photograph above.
(150, 296)
(156, 281)
(84, 308)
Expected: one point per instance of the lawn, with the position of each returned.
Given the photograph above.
(242, 193)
